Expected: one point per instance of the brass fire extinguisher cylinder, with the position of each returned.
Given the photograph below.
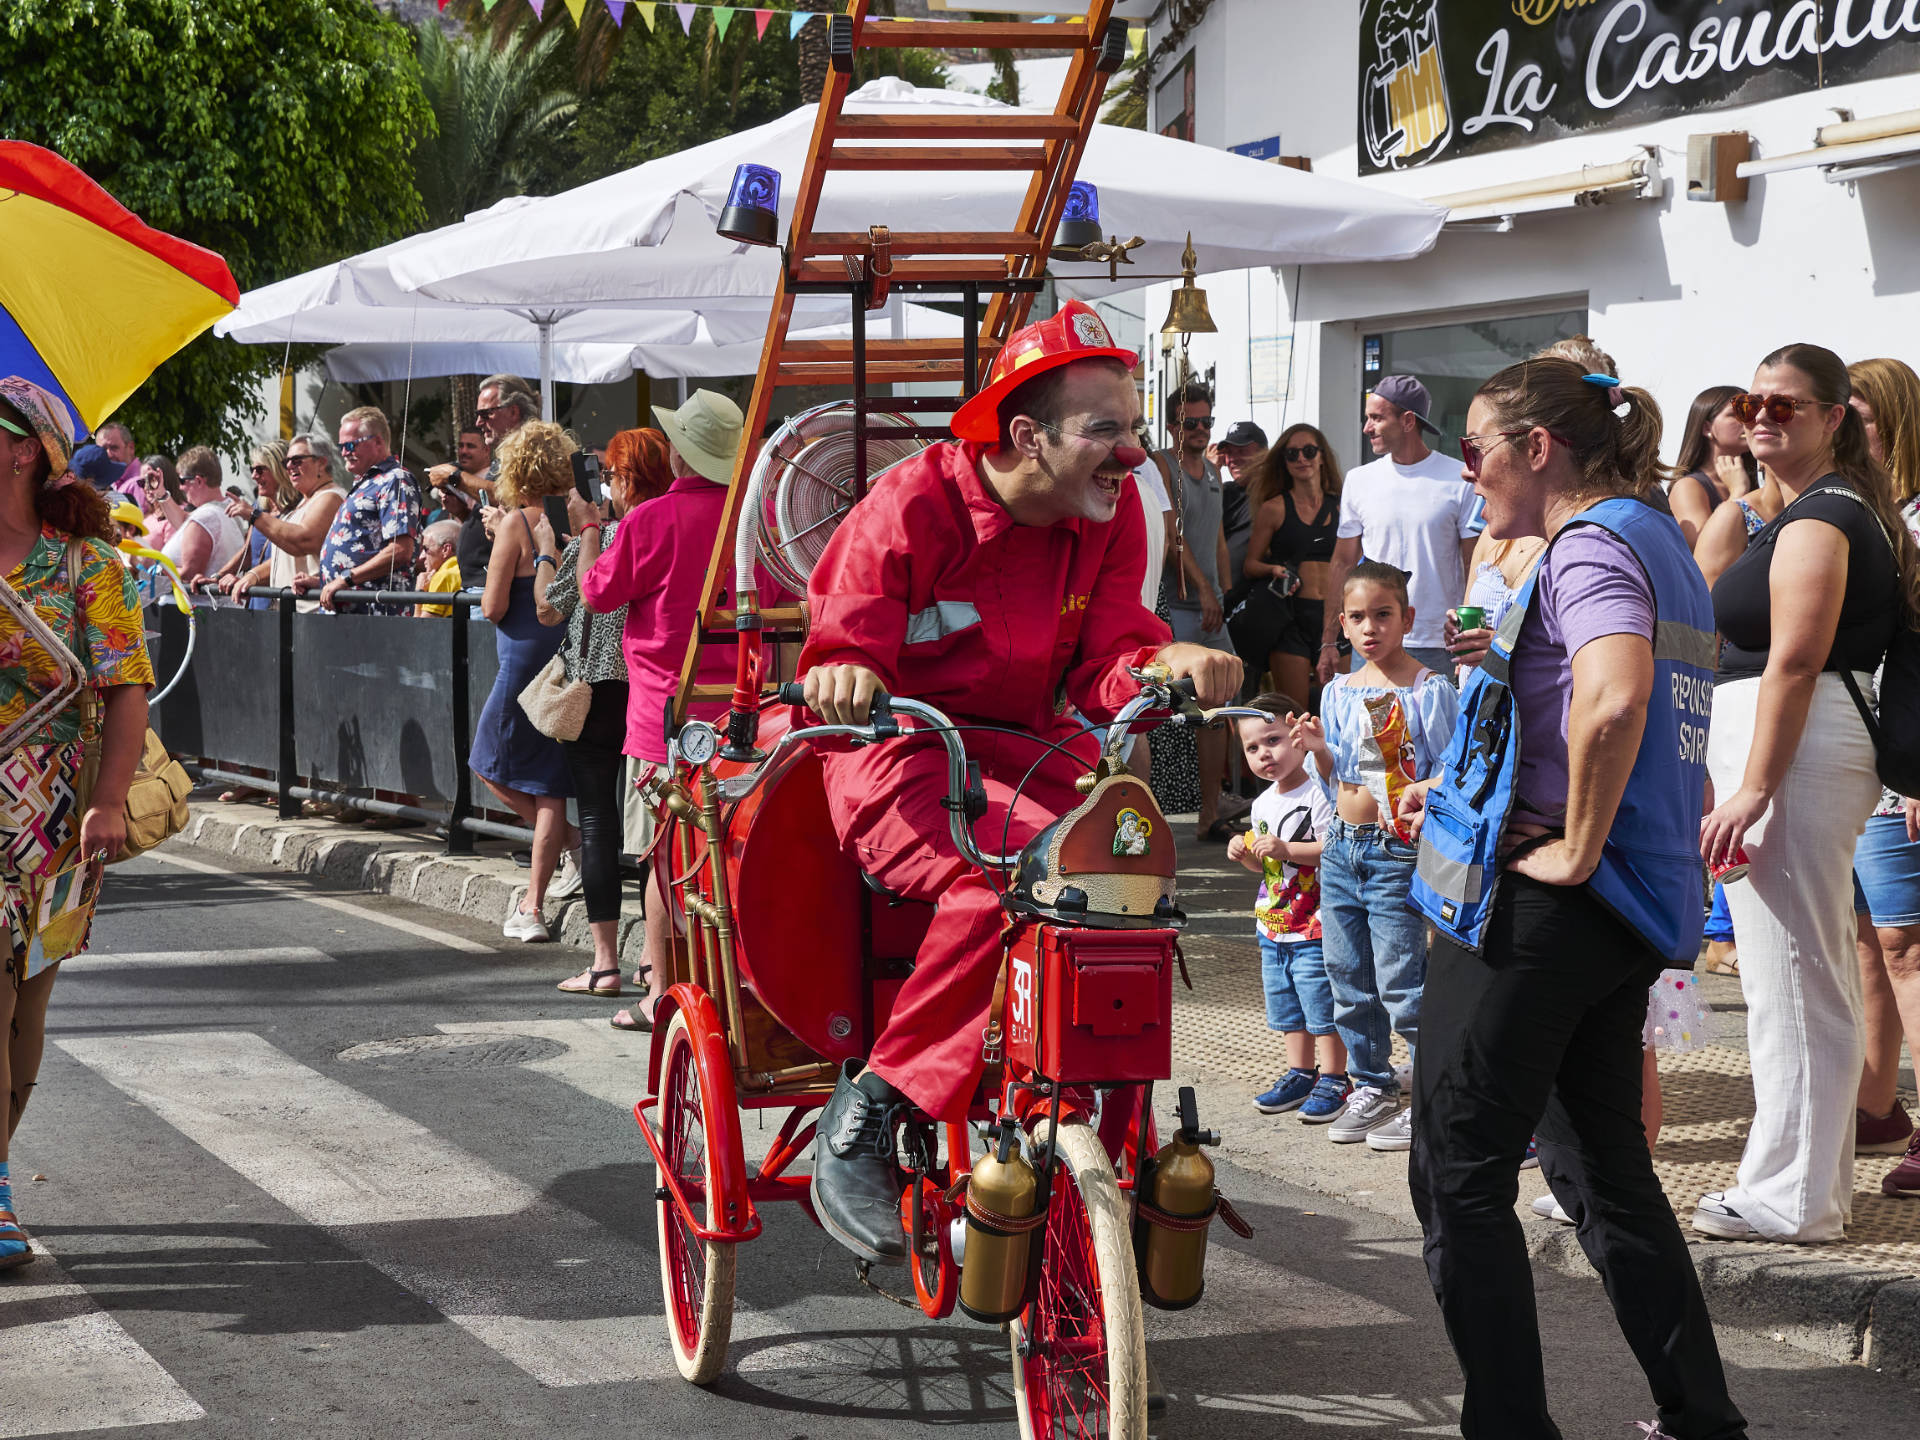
(1003, 1188)
(1173, 1268)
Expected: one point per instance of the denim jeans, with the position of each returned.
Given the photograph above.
(1294, 975)
(1376, 947)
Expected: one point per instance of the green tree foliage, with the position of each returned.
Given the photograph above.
(1127, 94)
(276, 132)
(492, 107)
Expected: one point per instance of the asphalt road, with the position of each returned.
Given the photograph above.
(347, 1168)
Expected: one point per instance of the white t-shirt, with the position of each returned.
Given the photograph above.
(1287, 909)
(1154, 504)
(225, 532)
(1414, 517)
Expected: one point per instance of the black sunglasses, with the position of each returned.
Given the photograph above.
(482, 415)
(1301, 452)
(1204, 422)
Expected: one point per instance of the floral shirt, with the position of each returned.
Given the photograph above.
(382, 507)
(114, 648)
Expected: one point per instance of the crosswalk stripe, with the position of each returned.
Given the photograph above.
(171, 959)
(386, 1187)
(325, 902)
(70, 1366)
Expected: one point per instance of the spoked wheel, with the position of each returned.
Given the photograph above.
(697, 1277)
(1080, 1349)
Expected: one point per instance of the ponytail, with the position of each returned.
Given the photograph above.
(74, 508)
(1611, 430)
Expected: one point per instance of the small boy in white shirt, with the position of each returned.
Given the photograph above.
(1283, 848)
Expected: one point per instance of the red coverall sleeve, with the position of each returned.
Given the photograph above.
(610, 582)
(858, 595)
(1119, 631)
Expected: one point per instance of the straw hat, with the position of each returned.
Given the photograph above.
(706, 431)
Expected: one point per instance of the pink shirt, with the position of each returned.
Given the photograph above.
(656, 568)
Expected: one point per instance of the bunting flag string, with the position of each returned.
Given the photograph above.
(724, 15)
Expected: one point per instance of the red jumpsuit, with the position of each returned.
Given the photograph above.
(931, 585)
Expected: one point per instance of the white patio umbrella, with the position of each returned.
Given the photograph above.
(591, 363)
(624, 234)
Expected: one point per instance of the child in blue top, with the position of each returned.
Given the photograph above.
(1381, 729)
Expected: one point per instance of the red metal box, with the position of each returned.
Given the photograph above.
(1091, 1006)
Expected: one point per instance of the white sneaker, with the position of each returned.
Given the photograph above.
(567, 879)
(526, 925)
(1713, 1216)
(1368, 1108)
(1396, 1134)
(1548, 1208)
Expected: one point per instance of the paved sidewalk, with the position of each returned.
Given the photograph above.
(1855, 1302)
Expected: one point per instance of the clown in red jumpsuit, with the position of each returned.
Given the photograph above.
(997, 579)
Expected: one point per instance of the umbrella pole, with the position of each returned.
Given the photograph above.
(546, 368)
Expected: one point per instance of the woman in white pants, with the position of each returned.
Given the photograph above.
(1819, 590)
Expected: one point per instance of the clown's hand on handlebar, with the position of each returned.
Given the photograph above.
(1216, 674)
(841, 694)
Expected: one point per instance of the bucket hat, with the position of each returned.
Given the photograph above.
(706, 431)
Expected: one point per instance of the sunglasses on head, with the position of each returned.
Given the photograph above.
(1778, 408)
(1203, 422)
(1301, 452)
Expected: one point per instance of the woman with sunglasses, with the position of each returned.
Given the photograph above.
(1295, 498)
(1715, 465)
(274, 495)
(296, 529)
(1820, 589)
(162, 500)
(1886, 862)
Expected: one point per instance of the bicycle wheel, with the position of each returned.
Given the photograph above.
(696, 1277)
(1080, 1349)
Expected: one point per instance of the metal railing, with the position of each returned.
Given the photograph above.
(216, 679)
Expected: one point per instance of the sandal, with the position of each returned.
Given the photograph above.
(11, 1232)
(1219, 833)
(241, 794)
(587, 982)
(634, 1017)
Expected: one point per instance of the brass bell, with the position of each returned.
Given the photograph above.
(1188, 313)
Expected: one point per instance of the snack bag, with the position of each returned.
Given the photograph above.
(1386, 758)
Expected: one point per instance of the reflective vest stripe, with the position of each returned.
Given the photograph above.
(939, 620)
(1674, 641)
(1450, 879)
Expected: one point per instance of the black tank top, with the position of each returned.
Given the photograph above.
(1297, 540)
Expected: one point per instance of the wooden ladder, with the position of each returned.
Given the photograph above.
(1005, 267)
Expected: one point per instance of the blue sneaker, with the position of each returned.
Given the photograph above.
(1289, 1092)
(1328, 1099)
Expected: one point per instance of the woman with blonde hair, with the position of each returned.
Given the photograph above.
(1886, 861)
(525, 769)
(1295, 499)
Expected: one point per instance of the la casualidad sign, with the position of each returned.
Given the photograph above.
(1443, 78)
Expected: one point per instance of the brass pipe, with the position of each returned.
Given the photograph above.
(689, 898)
(722, 921)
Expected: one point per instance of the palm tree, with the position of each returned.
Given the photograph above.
(490, 106)
(1127, 93)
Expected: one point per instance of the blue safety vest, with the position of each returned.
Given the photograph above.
(1649, 873)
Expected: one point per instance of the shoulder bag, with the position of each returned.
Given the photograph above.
(556, 705)
(156, 807)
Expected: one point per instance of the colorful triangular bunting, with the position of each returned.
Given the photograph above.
(538, 6)
(685, 12)
(574, 7)
(760, 19)
(647, 9)
(798, 21)
(1138, 38)
(617, 9)
(722, 19)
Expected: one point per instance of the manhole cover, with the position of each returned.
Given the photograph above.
(453, 1052)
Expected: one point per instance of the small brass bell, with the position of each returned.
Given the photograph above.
(1188, 314)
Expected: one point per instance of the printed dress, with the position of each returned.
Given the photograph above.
(43, 878)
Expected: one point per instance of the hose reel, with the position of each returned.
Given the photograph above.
(803, 483)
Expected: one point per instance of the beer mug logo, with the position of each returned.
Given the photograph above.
(1404, 95)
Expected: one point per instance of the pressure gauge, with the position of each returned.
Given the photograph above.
(698, 741)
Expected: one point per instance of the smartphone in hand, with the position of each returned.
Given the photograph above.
(556, 509)
(586, 478)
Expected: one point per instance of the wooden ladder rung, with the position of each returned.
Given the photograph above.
(937, 157)
(902, 372)
(923, 242)
(879, 347)
(952, 127)
(878, 34)
(772, 615)
(955, 272)
(698, 692)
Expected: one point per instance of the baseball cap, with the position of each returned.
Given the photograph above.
(94, 465)
(1410, 395)
(1244, 432)
(1075, 332)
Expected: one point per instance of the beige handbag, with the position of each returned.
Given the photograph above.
(556, 705)
(157, 796)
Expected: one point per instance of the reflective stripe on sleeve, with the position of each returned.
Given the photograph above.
(939, 620)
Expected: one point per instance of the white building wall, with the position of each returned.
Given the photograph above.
(1684, 294)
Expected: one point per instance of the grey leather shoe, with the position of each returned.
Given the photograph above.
(856, 1175)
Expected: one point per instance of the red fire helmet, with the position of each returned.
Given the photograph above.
(1076, 332)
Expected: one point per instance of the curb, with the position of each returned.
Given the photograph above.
(406, 865)
(1845, 1314)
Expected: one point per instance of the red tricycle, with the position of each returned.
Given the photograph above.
(1072, 1213)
